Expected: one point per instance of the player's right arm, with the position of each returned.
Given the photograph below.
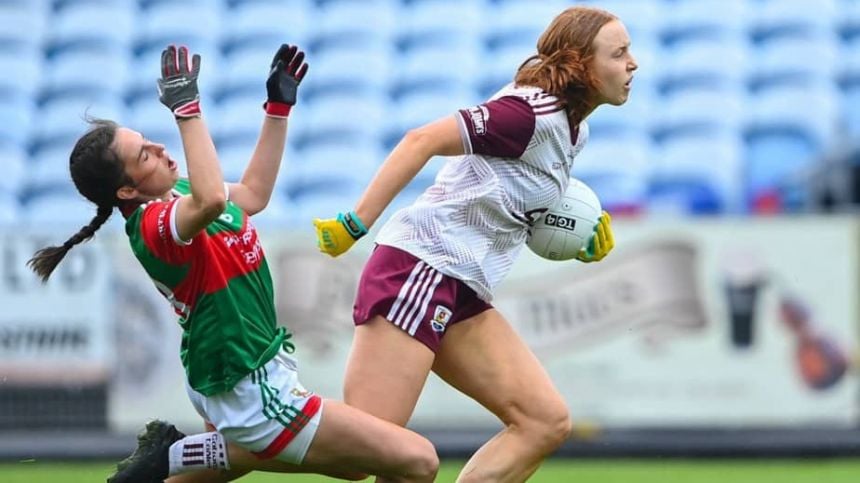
(178, 91)
(501, 127)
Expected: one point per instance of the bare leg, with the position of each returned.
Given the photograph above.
(386, 372)
(485, 359)
(349, 444)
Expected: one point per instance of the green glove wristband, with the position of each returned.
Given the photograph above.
(353, 224)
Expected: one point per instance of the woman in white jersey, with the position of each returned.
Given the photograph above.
(423, 301)
(195, 240)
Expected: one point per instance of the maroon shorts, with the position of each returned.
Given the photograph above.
(413, 296)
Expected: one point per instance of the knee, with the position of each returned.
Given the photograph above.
(549, 427)
(422, 461)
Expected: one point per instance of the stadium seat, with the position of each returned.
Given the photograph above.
(338, 28)
(336, 72)
(851, 115)
(703, 64)
(788, 131)
(787, 18)
(9, 210)
(643, 17)
(13, 159)
(420, 107)
(17, 114)
(252, 26)
(28, 68)
(500, 67)
(698, 174)
(705, 19)
(49, 168)
(520, 24)
(333, 170)
(92, 25)
(632, 119)
(617, 171)
(61, 208)
(347, 117)
(169, 22)
(239, 120)
(61, 121)
(700, 111)
(431, 67)
(443, 24)
(786, 60)
(86, 73)
(22, 26)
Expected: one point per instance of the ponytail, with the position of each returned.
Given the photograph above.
(46, 260)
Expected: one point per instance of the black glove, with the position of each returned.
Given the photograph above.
(287, 71)
(177, 87)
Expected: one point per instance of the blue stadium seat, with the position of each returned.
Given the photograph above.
(61, 121)
(195, 25)
(632, 119)
(338, 27)
(698, 175)
(703, 64)
(13, 159)
(642, 17)
(787, 133)
(28, 68)
(438, 68)
(86, 73)
(92, 25)
(787, 60)
(705, 19)
(849, 19)
(334, 170)
(345, 71)
(61, 208)
(244, 73)
(444, 24)
(501, 66)
(9, 209)
(700, 111)
(519, 24)
(22, 26)
(239, 119)
(280, 213)
(617, 171)
(851, 115)
(49, 168)
(348, 118)
(421, 107)
(252, 25)
(786, 18)
(17, 114)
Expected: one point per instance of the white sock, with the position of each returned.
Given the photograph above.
(199, 452)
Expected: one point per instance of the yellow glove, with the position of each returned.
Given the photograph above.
(602, 241)
(337, 235)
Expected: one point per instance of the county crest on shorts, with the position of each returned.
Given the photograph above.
(440, 318)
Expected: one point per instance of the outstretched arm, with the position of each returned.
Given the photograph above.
(177, 90)
(439, 138)
(254, 191)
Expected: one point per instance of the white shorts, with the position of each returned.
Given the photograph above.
(268, 412)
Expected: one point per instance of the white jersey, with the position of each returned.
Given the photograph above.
(473, 221)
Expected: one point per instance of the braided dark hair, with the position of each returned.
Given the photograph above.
(97, 172)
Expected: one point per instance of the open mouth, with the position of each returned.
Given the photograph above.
(171, 165)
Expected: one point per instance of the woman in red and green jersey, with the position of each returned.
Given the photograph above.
(195, 239)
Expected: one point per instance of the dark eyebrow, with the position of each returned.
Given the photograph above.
(142, 147)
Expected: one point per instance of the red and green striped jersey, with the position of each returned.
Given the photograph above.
(220, 286)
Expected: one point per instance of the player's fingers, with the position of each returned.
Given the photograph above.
(610, 237)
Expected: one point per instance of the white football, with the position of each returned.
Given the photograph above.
(562, 231)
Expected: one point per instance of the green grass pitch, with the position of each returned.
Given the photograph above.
(554, 471)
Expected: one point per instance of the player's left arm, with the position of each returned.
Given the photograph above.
(254, 191)
(438, 138)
